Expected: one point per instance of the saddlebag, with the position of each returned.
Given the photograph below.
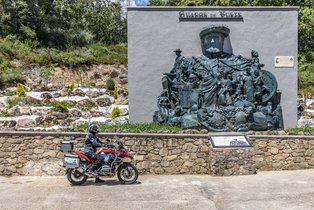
(71, 161)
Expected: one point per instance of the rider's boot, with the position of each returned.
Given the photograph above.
(98, 180)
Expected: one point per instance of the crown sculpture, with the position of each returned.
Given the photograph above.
(219, 91)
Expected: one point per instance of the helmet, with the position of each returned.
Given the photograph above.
(93, 129)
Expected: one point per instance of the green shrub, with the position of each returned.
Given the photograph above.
(60, 107)
(20, 92)
(115, 93)
(9, 93)
(115, 112)
(110, 84)
(71, 88)
(98, 50)
(9, 75)
(13, 101)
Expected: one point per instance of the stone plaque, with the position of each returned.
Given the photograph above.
(284, 61)
(224, 141)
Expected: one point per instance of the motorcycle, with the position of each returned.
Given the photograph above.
(116, 161)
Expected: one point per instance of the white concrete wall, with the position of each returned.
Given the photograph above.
(153, 34)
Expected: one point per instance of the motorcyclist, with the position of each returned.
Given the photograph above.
(90, 150)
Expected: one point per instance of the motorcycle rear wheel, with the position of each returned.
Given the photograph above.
(75, 177)
(127, 174)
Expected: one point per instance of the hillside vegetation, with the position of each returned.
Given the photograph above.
(81, 32)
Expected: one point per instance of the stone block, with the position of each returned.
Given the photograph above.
(139, 157)
(171, 158)
(50, 154)
(38, 151)
(10, 169)
(163, 152)
(281, 156)
(189, 147)
(274, 150)
(187, 164)
(204, 149)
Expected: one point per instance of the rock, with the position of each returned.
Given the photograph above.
(204, 149)
(12, 161)
(187, 164)
(52, 87)
(41, 111)
(282, 132)
(46, 96)
(75, 113)
(274, 150)
(163, 152)
(97, 113)
(94, 93)
(123, 81)
(103, 101)
(32, 101)
(64, 91)
(114, 73)
(79, 92)
(159, 170)
(151, 157)
(9, 123)
(189, 147)
(50, 154)
(171, 158)
(12, 111)
(11, 168)
(124, 112)
(38, 151)
(139, 157)
(262, 144)
(56, 95)
(24, 110)
(26, 123)
(281, 156)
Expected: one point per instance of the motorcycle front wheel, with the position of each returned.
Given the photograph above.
(127, 174)
(75, 177)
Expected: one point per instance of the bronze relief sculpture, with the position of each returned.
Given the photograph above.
(219, 91)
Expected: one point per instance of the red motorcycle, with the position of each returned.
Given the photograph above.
(116, 161)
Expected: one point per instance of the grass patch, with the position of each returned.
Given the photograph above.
(132, 128)
(13, 101)
(4, 113)
(297, 130)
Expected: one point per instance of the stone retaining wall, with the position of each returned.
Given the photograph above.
(31, 153)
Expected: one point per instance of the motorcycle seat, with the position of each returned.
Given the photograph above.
(84, 156)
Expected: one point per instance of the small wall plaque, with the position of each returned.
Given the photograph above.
(223, 141)
(284, 61)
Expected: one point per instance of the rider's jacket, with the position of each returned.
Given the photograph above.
(91, 143)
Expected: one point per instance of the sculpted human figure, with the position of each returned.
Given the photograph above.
(219, 91)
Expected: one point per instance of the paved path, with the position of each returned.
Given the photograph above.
(266, 190)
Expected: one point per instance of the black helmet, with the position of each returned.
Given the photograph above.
(93, 129)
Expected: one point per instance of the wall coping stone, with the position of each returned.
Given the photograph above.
(186, 8)
(153, 135)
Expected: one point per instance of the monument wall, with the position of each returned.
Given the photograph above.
(155, 32)
(33, 153)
